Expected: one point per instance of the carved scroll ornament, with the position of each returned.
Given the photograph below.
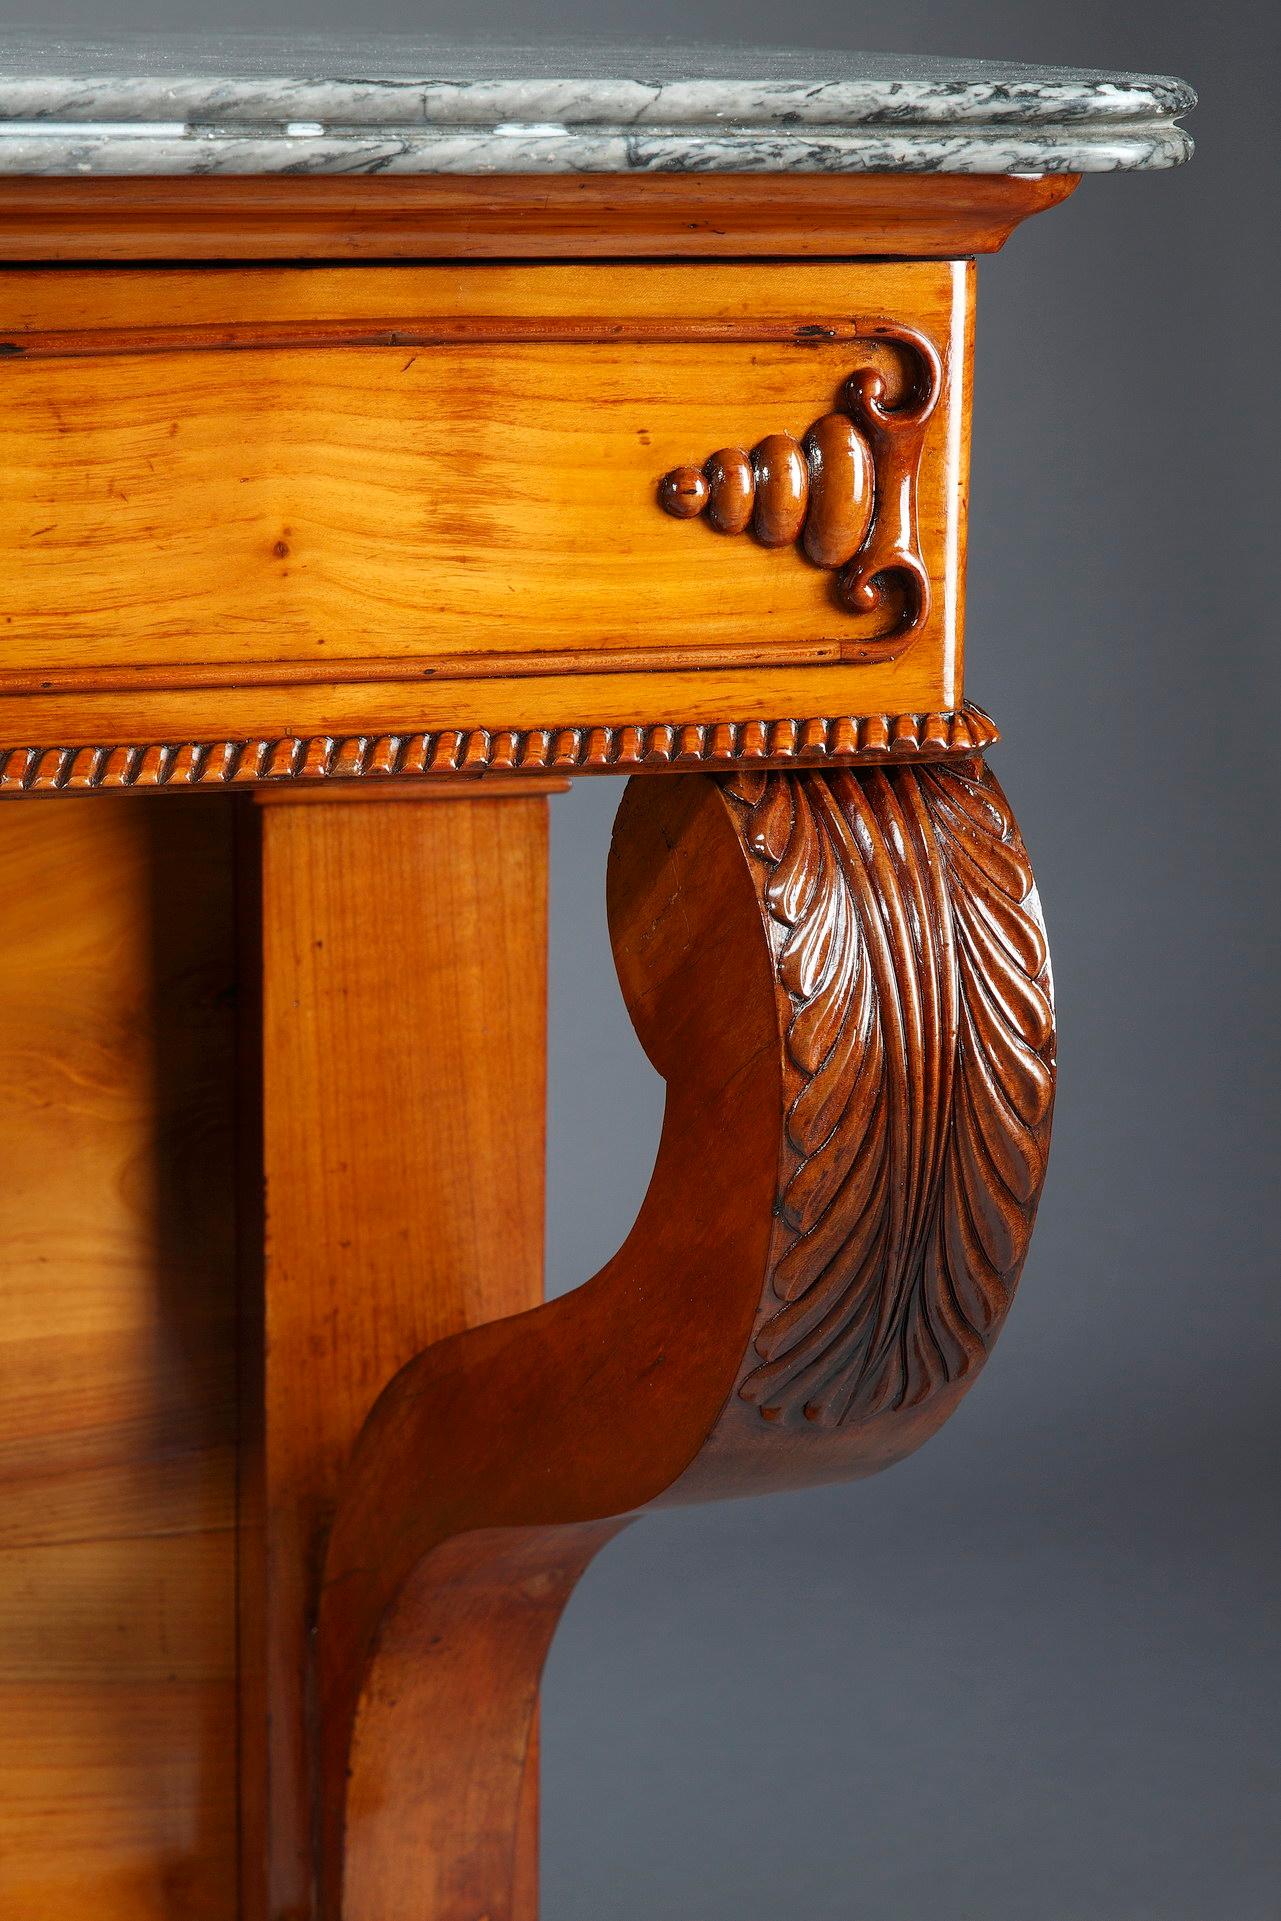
(846, 492)
(843, 978)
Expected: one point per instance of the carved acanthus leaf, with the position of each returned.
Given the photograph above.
(914, 980)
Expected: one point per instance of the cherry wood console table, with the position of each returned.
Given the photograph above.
(386, 440)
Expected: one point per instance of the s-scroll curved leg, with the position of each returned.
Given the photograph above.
(843, 978)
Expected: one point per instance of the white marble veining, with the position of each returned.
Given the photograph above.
(142, 104)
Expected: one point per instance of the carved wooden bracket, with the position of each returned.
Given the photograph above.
(843, 977)
(845, 492)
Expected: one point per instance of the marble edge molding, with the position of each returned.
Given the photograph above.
(478, 752)
(604, 101)
(157, 150)
(962, 117)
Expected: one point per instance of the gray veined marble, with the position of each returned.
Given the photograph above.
(143, 104)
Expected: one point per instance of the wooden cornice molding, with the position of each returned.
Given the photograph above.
(518, 217)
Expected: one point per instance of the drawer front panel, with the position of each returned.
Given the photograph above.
(261, 496)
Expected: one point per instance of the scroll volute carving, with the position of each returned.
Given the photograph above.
(845, 493)
(842, 977)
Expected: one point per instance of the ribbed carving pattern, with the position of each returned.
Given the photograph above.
(919, 1075)
(565, 750)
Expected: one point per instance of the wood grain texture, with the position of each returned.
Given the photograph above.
(117, 1364)
(843, 979)
(233, 502)
(505, 755)
(513, 217)
(321, 535)
(402, 1086)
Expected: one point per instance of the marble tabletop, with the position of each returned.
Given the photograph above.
(148, 104)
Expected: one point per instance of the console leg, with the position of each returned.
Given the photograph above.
(398, 1099)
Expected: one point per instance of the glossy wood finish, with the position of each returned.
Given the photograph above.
(117, 1363)
(845, 976)
(938, 216)
(846, 492)
(402, 1069)
(364, 766)
(353, 562)
(384, 545)
(841, 492)
(810, 1306)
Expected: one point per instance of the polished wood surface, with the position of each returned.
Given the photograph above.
(847, 492)
(313, 533)
(778, 490)
(364, 764)
(384, 547)
(403, 955)
(515, 217)
(117, 1364)
(845, 976)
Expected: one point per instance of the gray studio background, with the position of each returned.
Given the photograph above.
(1031, 1675)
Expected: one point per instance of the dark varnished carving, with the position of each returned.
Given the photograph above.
(845, 492)
(842, 976)
(918, 1082)
(838, 511)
